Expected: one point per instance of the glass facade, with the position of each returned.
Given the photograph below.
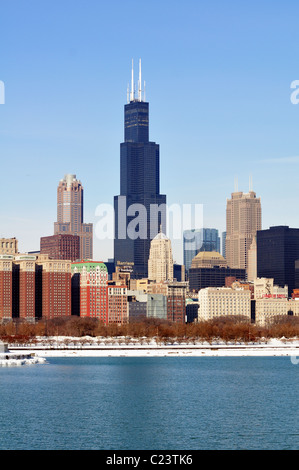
(196, 240)
(277, 251)
(140, 209)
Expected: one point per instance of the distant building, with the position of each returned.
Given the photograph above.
(137, 305)
(209, 269)
(277, 252)
(8, 246)
(160, 263)
(175, 293)
(24, 283)
(157, 306)
(6, 287)
(118, 311)
(90, 290)
(60, 246)
(243, 220)
(219, 302)
(252, 261)
(196, 240)
(264, 288)
(139, 188)
(53, 287)
(70, 219)
(192, 307)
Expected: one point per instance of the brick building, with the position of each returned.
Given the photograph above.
(66, 247)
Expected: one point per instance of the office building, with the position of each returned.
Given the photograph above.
(157, 306)
(118, 311)
(90, 290)
(196, 240)
(60, 246)
(140, 209)
(175, 292)
(243, 219)
(209, 269)
(160, 263)
(219, 302)
(70, 214)
(6, 287)
(24, 286)
(53, 288)
(277, 252)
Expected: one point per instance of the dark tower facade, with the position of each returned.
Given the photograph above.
(277, 252)
(140, 209)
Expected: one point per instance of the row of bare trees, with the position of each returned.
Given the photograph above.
(227, 329)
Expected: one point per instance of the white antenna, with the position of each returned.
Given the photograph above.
(128, 94)
(132, 83)
(144, 92)
(139, 82)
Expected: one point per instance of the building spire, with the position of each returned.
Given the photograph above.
(132, 96)
(139, 82)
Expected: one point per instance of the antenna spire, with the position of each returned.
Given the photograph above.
(132, 83)
(139, 82)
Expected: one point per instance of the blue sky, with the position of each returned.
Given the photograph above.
(218, 76)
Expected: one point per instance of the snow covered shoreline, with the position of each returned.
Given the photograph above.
(59, 347)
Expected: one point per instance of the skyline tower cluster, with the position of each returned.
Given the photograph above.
(143, 279)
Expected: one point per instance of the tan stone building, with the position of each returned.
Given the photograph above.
(8, 246)
(70, 214)
(243, 219)
(160, 263)
(223, 301)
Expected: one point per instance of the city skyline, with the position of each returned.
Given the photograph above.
(219, 87)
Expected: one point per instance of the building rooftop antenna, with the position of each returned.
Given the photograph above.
(139, 82)
(132, 83)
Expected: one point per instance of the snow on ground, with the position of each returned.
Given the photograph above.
(131, 347)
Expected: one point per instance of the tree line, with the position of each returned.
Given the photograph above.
(227, 329)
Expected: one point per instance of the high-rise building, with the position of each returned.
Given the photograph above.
(196, 240)
(243, 219)
(53, 287)
(118, 310)
(160, 263)
(6, 286)
(70, 218)
(90, 290)
(24, 286)
(277, 252)
(140, 209)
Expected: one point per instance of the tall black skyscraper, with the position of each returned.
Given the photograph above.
(140, 209)
(277, 251)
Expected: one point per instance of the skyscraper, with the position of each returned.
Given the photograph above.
(277, 252)
(160, 263)
(70, 214)
(140, 209)
(194, 241)
(243, 219)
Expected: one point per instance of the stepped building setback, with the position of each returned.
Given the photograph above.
(140, 209)
(70, 214)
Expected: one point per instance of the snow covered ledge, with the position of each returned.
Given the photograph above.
(8, 358)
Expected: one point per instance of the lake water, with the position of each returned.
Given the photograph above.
(210, 403)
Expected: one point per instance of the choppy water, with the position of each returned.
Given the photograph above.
(151, 404)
